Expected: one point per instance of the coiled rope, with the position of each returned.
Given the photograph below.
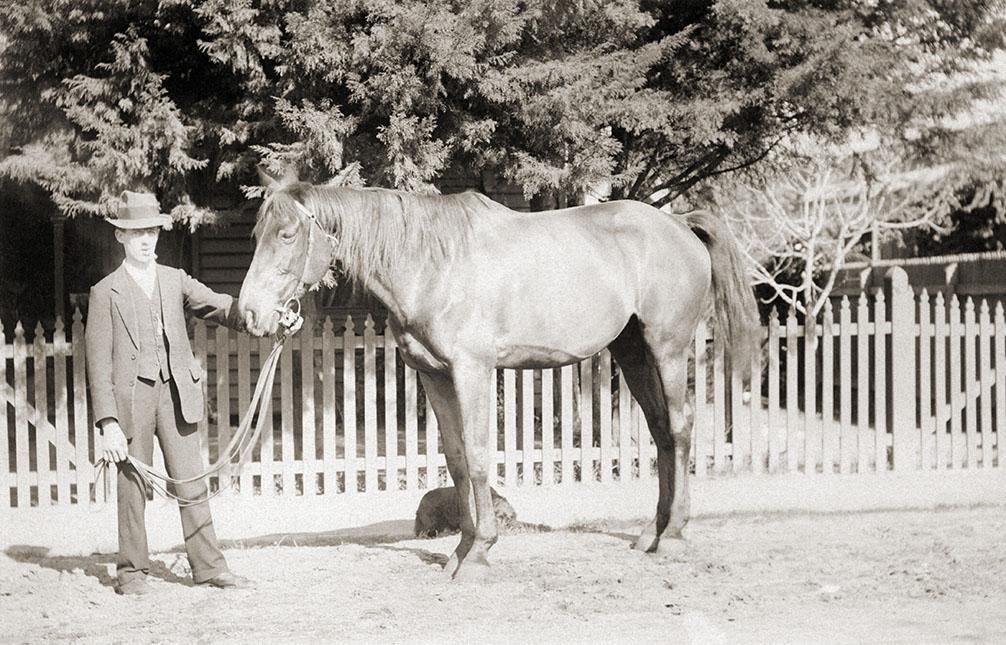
(240, 446)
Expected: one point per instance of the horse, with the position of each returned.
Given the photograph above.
(471, 285)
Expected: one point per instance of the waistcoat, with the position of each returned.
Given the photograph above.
(153, 354)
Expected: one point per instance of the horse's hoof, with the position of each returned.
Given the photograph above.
(670, 547)
(451, 566)
(472, 570)
(646, 542)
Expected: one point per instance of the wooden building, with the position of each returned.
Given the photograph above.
(49, 262)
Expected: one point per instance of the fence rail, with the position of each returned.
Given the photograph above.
(890, 381)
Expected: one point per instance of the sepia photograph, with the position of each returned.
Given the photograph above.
(502, 321)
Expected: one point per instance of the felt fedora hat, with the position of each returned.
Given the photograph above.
(139, 210)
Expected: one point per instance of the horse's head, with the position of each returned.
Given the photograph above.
(291, 252)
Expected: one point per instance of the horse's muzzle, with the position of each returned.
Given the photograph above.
(258, 325)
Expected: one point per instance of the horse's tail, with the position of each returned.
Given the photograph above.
(736, 311)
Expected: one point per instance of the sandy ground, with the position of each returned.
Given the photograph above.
(911, 576)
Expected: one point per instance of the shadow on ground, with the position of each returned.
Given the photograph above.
(96, 566)
(386, 532)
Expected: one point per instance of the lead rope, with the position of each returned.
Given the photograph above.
(240, 445)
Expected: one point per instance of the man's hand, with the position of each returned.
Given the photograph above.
(114, 441)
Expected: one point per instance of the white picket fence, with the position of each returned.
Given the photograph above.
(888, 382)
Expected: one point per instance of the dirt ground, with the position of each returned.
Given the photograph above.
(911, 576)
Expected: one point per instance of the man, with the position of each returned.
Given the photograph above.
(144, 381)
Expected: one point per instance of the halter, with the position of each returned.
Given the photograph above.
(314, 269)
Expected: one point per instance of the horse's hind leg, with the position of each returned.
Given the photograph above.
(443, 398)
(658, 381)
(674, 376)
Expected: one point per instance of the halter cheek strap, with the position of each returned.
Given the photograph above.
(319, 253)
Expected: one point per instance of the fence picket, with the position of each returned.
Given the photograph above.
(509, 428)
(22, 467)
(846, 431)
(956, 447)
(604, 411)
(1000, 333)
(864, 446)
(410, 406)
(811, 429)
(880, 370)
(288, 455)
(223, 394)
(328, 402)
(527, 426)
(370, 404)
(247, 485)
(390, 412)
(59, 350)
(739, 422)
(548, 427)
(940, 385)
(566, 421)
(267, 480)
(772, 429)
(792, 402)
(587, 420)
(970, 407)
(39, 376)
(308, 418)
(985, 375)
(925, 388)
(349, 406)
(827, 427)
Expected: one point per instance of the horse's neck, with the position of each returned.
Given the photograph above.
(398, 297)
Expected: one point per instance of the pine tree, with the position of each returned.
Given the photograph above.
(185, 97)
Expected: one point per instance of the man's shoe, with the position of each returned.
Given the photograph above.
(134, 587)
(227, 580)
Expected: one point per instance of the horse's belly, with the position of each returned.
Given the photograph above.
(561, 332)
(536, 357)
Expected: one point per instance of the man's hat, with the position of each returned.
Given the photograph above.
(139, 210)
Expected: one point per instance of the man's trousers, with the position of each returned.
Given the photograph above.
(156, 411)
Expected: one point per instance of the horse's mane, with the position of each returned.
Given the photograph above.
(382, 231)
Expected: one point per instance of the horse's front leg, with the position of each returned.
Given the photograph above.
(443, 398)
(472, 383)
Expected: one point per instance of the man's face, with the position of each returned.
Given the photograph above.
(138, 243)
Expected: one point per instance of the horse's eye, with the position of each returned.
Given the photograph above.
(287, 236)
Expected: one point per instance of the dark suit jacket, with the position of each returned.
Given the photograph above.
(113, 349)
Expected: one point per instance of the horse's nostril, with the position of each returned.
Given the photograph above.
(249, 319)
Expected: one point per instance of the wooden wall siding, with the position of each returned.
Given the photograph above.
(348, 417)
(224, 252)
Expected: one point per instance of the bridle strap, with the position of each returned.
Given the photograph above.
(314, 270)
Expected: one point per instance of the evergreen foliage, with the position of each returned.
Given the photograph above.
(185, 97)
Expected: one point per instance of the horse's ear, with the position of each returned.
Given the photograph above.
(274, 182)
(269, 180)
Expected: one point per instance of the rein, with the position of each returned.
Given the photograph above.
(240, 446)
